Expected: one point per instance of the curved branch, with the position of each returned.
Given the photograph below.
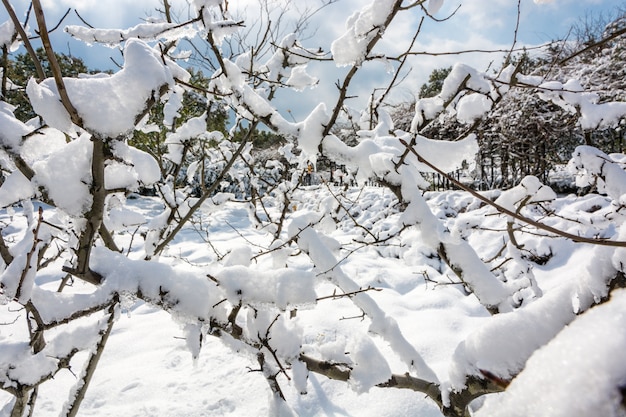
(503, 210)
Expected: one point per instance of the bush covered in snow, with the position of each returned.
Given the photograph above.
(450, 296)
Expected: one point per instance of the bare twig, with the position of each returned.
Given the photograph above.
(336, 296)
(601, 42)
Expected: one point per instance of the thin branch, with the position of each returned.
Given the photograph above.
(503, 210)
(60, 21)
(343, 89)
(83, 20)
(54, 64)
(29, 47)
(7, 258)
(29, 256)
(595, 45)
(92, 364)
(473, 51)
(336, 296)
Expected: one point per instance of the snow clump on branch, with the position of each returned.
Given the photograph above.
(108, 105)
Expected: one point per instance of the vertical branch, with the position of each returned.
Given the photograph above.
(7, 258)
(343, 89)
(93, 217)
(207, 193)
(54, 64)
(92, 364)
(270, 376)
(22, 399)
(167, 7)
(29, 47)
(29, 257)
(37, 340)
(5, 70)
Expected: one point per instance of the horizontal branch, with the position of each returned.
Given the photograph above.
(472, 51)
(459, 400)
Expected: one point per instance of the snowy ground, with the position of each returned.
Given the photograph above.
(147, 369)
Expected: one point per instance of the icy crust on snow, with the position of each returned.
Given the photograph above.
(109, 106)
(361, 28)
(585, 358)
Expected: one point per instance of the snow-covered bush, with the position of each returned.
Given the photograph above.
(76, 251)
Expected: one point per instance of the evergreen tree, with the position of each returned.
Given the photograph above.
(21, 68)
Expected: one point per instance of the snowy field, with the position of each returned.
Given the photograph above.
(148, 368)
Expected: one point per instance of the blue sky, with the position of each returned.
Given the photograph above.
(480, 24)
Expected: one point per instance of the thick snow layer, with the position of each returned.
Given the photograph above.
(585, 358)
(7, 29)
(283, 287)
(434, 6)
(417, 316)
(594, 167)
(529, 190)
(12, 129)
(572, 97)
(16, 187)
(145, 31)
(361, 28)
(66, 176)
(109, 106)
(472, 106)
